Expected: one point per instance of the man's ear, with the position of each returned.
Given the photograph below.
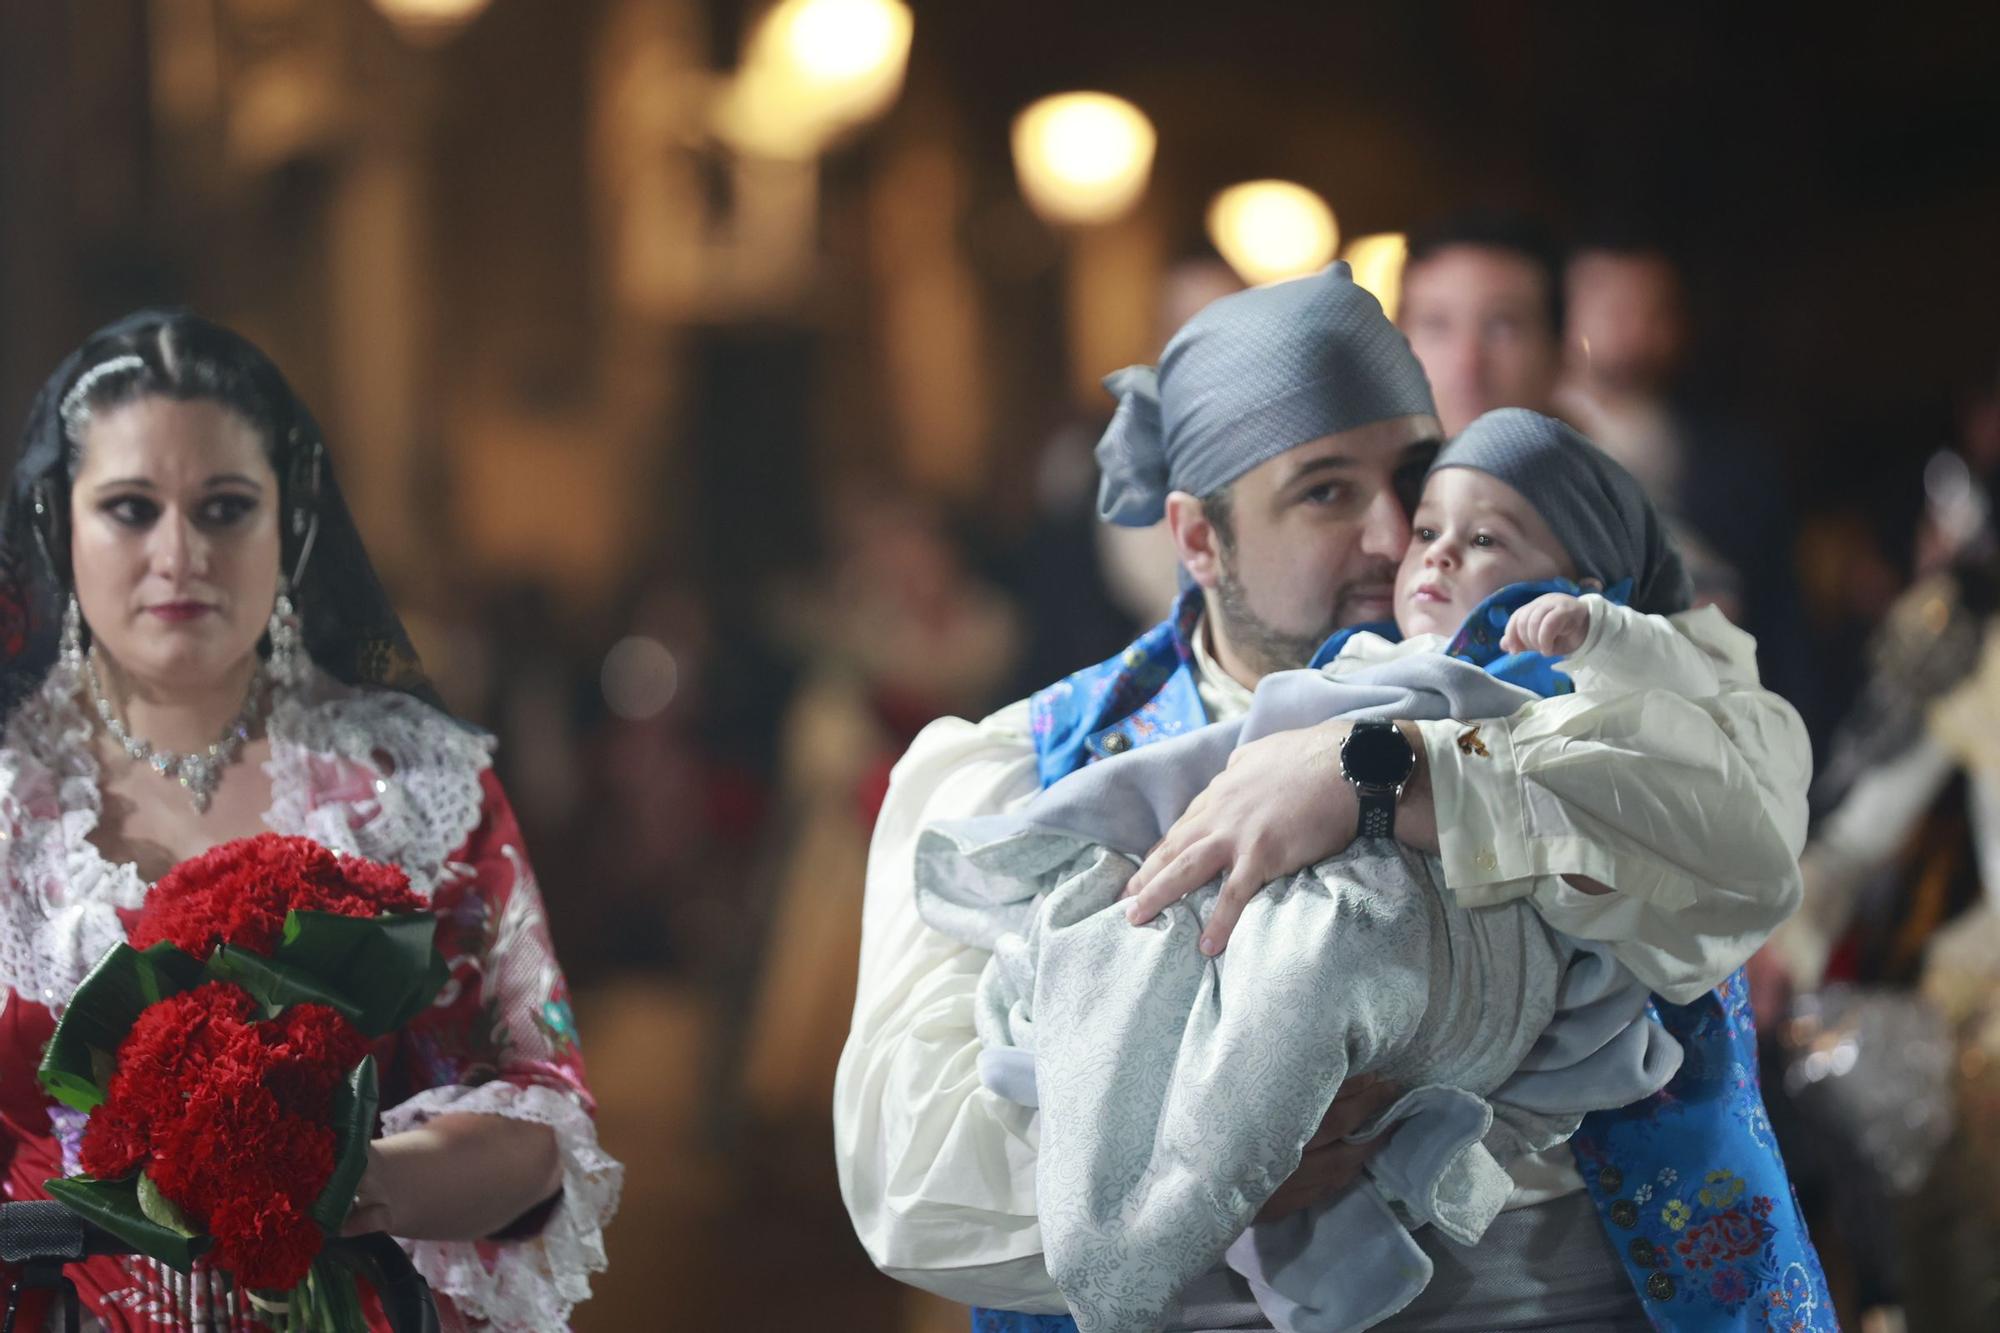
(1196, 540)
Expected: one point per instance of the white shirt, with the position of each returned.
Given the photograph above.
(1691, 809)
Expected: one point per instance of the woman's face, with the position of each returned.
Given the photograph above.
(174, 539)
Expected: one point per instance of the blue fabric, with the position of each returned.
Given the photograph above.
(1688, 1183)
(1478, 639)
(1146, 693)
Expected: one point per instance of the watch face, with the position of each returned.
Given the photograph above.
(1377, 757)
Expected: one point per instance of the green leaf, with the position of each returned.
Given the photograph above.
(114, 1206)
(354, 1103)
(81, 1055)
(388, 965)
(160, 1210)
(277, 985)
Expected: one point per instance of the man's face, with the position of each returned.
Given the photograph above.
(1626, 324)
(1478, 319)
(1314, 537)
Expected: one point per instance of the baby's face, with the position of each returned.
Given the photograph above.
(1472, 535)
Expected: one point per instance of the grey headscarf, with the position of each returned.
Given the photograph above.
(1596, 508)
(1254, 374)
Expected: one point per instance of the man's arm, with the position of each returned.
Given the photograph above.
(937, 1172)
(1692, 812)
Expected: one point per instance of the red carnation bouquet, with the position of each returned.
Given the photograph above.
(223, 1059)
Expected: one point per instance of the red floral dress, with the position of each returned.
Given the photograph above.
(373, 774)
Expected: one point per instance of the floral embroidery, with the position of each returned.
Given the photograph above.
(1730, 1287)
(1729, 1235)
(1723, 1189)
(1064, 717)
(1716, 1235)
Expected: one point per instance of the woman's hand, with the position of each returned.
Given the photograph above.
(458, 1177)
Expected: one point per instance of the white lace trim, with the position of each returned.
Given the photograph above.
(419, 799)
(369, 772)
(59, 908)
(530, 1285)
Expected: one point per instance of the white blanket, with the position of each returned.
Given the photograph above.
(1177, 1091)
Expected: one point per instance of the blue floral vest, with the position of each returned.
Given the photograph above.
(1688, 1183)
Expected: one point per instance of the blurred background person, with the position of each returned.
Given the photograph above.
(1483, 305)
(899, 632)
(1627, 385)
(1892, 963)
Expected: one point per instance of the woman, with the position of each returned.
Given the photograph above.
(197, 650)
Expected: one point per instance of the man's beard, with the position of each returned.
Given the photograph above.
(1265, 648)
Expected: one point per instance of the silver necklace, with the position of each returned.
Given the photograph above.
(200, 772)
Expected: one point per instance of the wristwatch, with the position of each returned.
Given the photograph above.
(1378, 760)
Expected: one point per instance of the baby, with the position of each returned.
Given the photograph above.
(1176, 1089)
(1530, 543)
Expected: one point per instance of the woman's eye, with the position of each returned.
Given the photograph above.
(133, 511)
(223, 510)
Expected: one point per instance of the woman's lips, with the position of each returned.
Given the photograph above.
(180, 612)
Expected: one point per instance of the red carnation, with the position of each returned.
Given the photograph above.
(229, 1118)
(229, 1114)
(238, 894)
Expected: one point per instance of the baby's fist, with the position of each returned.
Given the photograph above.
(1554, 624)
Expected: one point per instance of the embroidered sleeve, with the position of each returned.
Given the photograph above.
(501, 1041)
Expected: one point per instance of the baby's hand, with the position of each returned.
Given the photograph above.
(1554, 624)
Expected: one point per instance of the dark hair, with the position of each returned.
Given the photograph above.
(1219, 508)
(1627, 237)
(1517, 234)
(184, 357)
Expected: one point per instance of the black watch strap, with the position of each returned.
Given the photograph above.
(1378, 813)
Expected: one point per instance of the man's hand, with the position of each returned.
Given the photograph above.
(1280, 806)
(1329, 1165)
(1554, 624)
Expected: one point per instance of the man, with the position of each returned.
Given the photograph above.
(1271, 440)
(1626, 387)
(1483, 307)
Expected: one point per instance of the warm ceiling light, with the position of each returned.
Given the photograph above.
(1377, 262)
(1083, 157)
(1272, 230)
(813, 69)
(430, 20)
